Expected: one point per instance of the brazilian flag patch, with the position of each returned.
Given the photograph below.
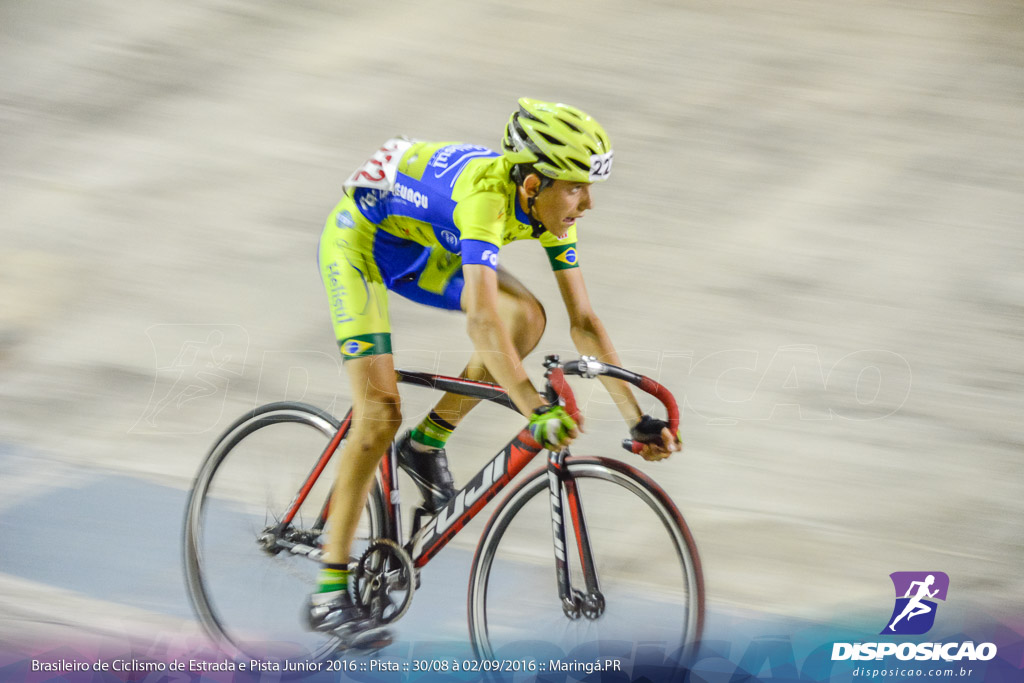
(562, 256)
(365, 345)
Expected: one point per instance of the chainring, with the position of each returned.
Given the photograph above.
(385, 581)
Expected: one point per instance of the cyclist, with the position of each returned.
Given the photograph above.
(427, 221)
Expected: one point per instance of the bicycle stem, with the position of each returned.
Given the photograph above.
(590, 367)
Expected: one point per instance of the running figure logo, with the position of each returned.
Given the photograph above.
(914, 612)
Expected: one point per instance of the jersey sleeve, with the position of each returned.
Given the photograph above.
(480, 219)
(561, 252)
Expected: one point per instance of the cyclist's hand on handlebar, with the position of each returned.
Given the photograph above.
(552, 427)
(658, 442)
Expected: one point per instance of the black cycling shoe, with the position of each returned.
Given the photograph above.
(337, 613)
(347, 620)
(429, 471)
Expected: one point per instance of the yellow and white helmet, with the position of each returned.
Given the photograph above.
(561, 142)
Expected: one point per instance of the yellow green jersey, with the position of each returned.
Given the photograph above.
(458, 197)
(413, 215)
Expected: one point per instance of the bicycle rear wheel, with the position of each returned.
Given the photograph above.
(247, 586)
(646, 562)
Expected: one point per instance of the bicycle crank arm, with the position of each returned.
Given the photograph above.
(307, 551)
(271, 543)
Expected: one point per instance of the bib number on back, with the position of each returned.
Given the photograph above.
(380, 170)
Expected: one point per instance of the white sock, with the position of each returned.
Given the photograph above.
(420, 447)
(324, 598)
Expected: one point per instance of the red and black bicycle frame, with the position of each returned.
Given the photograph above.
(427, 540)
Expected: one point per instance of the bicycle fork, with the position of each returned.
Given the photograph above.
(575, 603)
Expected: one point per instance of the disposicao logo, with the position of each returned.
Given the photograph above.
(916, 592)
(914, 614)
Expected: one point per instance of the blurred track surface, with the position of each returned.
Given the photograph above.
(812, 236)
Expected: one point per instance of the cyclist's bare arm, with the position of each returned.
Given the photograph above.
(591, 339)
(491, 338)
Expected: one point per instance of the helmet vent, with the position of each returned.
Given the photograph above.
(552, 139)
(545, 159)
(525, 113)
(522, 139)
(570, 126)
(558, 142)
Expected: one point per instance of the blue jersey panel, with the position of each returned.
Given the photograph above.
(448, 162)
(430, 198)
(479, 253)
(373, 204)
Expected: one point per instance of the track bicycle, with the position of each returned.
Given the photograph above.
(258, 508)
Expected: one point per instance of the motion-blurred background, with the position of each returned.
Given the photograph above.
(812, 235)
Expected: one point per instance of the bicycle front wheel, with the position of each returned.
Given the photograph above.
(645, 559)
(247, 579)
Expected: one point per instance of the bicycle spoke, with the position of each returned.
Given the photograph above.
(248, 592)
(649, 583)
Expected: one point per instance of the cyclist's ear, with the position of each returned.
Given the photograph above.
(532, 184)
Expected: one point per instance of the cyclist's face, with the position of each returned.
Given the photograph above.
(561, 204)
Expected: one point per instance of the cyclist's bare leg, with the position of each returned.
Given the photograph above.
(524, 318)
(376, 416)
